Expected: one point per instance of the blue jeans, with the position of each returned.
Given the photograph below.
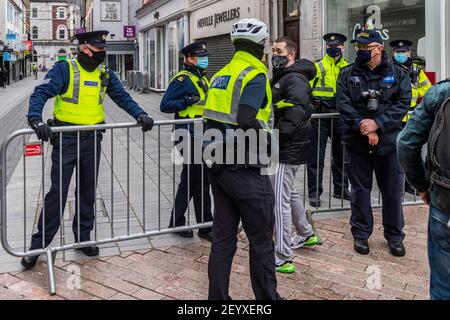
(439, 254)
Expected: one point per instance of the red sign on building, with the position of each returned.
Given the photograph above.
(33, 149)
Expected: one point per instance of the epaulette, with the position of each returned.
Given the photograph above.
(180, 78)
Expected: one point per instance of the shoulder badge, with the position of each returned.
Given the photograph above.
(181, 78)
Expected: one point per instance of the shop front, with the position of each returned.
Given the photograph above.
(421, 21)
(120, 58)
(213, 21)
(163, 32)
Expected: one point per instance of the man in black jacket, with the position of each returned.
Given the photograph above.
(292, 99)
(373, 96)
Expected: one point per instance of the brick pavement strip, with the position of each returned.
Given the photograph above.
(175, 273)
(332, 271)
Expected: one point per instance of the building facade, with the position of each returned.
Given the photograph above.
(425, 22)
(166, 26)
(14, 29)
(52, 30)
(118, 17)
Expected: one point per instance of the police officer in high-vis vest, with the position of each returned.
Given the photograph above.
(240, 100)
(80, 87)
(402, 50)
(324, 91)
(186, 97)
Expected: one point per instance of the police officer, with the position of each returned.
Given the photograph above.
(240, 97)
(419, 80)
(186, 98)
(373, 96)
(324, 91)
(80, 86)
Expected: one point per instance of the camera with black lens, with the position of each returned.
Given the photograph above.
(372, 97)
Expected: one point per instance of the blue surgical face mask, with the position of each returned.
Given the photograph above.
(401, 57)
(203, 63)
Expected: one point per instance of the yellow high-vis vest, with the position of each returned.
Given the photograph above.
(82, 104)
(226, 89)
(324, 84)
(419, 89)
(196, 110)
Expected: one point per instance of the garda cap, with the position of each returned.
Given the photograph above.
(196, 49)
(95, 38)
(401, 45)
(335, 39)
(366, 36)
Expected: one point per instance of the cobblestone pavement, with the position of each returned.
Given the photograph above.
(332, 271)
(167, 267)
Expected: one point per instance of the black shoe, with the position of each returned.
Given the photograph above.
(206, 236)
(29, 262)
(361, 246)
(397, 248)
(346, 196)
(90, 251)
(315, 203)
(185, 234)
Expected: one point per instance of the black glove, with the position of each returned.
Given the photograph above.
(43, 130)
(191, 100)
(146, 122)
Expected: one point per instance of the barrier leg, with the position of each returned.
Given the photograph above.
(51, 275)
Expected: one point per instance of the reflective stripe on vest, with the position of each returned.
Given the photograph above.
(236, 97)
(323, 72)
(76, 84)
(82, 104)
(197, 109)
(226, 89)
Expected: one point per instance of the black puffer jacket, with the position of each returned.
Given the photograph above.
(291, 86)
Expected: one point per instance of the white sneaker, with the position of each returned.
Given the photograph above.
(297, 242)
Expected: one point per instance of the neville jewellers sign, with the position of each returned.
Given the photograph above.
(218, 18)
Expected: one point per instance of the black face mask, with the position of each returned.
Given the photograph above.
(90, 64)
(256, 50)
(364, 56)
(279, 62)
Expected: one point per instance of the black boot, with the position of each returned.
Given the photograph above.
(90, 251)
(185, 234)
(29, 262)
(397, 248)
(361, 246)
(346, 196)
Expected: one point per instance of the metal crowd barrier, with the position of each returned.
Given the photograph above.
(137, 188)
(330, 204)
(146, 165)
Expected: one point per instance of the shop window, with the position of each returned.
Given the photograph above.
(394, 19)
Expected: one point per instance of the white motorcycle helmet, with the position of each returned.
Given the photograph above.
(250, 29)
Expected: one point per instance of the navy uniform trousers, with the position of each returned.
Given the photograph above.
(86, 188)
(329, 128)
(242, 194)
(191, 180)
(389, 177)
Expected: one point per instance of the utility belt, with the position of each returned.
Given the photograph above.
(57, 123)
